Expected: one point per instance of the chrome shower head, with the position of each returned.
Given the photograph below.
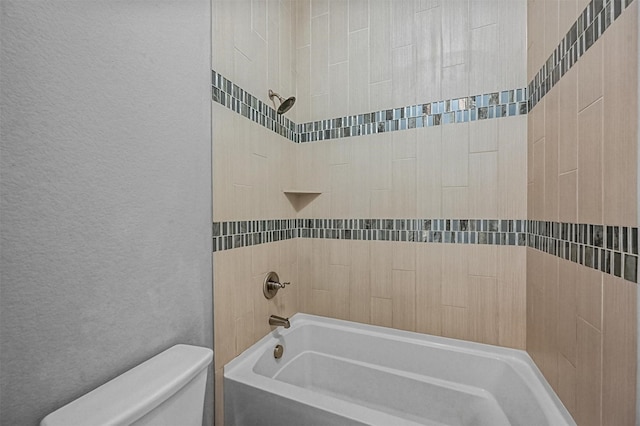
(285, 104)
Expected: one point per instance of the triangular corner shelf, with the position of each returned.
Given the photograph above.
(300, 198)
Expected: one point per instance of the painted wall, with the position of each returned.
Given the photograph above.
(106, 195)
(581, 322)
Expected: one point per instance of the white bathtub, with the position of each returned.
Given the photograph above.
(343, 373)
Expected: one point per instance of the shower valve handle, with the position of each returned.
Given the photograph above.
(275, 284)
(272, 284)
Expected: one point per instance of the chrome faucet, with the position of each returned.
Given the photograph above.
(279, 321)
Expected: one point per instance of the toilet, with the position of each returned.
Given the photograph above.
(166, 390)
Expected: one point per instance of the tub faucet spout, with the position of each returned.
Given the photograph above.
(279, 321)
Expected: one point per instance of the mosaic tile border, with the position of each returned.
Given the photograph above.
(229, 94)
(229, 235)
(507, 103)
(610, 249)
(245, 233)
(585, 31)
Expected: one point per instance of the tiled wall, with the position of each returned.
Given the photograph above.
(358, 56)
(582, 151)
(423, 103)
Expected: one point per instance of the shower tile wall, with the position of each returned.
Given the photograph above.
(252, 46)
(399, 54)
(582, 151)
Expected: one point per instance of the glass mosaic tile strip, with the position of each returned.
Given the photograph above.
(245, 233)
(594, 20)
(228, 94)
(229, 235)
(610, 249)
(507, 103)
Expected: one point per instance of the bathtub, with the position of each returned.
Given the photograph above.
(335, 372)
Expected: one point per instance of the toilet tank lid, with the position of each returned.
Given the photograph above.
(136, 392)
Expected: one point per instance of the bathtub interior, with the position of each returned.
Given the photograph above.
(413, 377)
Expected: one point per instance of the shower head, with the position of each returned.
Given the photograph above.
(285, 104)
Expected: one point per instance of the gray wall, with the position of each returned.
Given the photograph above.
(105, 178)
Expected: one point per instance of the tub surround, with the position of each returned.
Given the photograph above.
(582, 162)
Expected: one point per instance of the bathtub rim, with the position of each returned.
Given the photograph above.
(518, 359)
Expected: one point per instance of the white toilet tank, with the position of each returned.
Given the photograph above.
(167, 390)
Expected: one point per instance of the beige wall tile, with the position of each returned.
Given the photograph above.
(403, 194)
(358, 14)
(381, 312)
(483, 184)
(454, 275)
(319, 7)
(428, 292)
(403, 297)
(455, 322)
(402, 23)
(483, 78)
(590, 76)
(566, 389)
(360, 282)
(428, 54)
(512, 168)
(589, 296)
(339, 284)
(536, 204)
(588, 375)
(551, 31)
(512, 18)
(550, 310)
(338, 90)
(319, 55)
(429, 172)
(455, 201)
(567, 314)
(404, 256)
(303, 18)
(483, 260)
(455, 33)
(483, 135)
(511, 294)
(619, 362)
(404, 144)
(590, 164)
(551, 156)
(358, 67)
(483, 13)
(338, 32)
(380, 43)
(381, 267)
(403, 72)
(568, 116)
(568, 197)
(483, 309)
(620, 44)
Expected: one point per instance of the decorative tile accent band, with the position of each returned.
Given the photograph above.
(610, 249)
(588, 28)
(507, 103)
(245, 233)
(228, 235)
(228, 94)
